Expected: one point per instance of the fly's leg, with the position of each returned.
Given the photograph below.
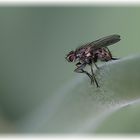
(112, 58)
(79, 69)
(96, 65)
(94, 60)
(93, 75)
(109, 51)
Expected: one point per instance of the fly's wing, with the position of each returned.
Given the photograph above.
(105, 41)
(83, 46)
(102, 42)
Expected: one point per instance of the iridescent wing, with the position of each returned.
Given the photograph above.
(105, 41)
(102, 42)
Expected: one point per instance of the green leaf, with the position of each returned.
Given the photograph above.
(79, 107)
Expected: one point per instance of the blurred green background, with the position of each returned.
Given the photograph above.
(34, 42)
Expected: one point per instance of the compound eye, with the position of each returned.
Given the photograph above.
(71, 57)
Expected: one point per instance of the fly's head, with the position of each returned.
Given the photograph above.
(71, 56)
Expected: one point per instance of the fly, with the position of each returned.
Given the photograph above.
(90, 53)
